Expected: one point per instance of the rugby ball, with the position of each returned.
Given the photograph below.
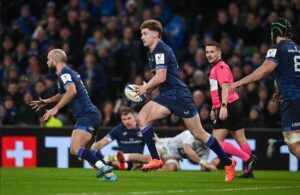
(132, 95)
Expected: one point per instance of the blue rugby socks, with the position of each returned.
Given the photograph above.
(89, 156)
(98, 154)
(148, 135)
(214, 145)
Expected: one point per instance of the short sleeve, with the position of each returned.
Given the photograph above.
(113, 134)
(66, 78)
(160, 59)
(223, 74)
(273, 54)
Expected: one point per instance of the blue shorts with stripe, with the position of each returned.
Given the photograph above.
(89, 122)
(290, 115)
(182, 106)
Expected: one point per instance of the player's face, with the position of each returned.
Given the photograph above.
(212, 54)
(129, 121)
(51, 62)
(148, 37)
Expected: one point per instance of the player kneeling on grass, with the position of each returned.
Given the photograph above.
(174, 149)
(87, 116)
(127, 135)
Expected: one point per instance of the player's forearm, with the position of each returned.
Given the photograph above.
(225, 92)
(154, 82)
(191, 154)
(194, 158)
(258, 74)
(54, 99)
(100, 144)
(66, 98)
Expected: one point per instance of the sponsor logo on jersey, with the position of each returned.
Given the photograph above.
(160, 58)
(66, 77)
(271, 53)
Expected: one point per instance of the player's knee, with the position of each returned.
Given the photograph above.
(142, 120)
(295, 149)
(74, 150)
(199, 134)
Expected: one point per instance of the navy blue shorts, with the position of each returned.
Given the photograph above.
(290, 115)
(89, 122)
(183, 107)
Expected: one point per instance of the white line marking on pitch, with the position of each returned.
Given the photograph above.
(214, 190)
(186, 191)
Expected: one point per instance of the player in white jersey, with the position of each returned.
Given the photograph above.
(174, 149)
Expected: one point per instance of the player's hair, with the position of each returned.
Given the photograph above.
(153, 25)
(214, 43)
(59, 55)
(125, 111)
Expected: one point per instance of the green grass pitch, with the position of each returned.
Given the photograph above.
(80, 181)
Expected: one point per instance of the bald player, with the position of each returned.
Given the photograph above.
(86, 114)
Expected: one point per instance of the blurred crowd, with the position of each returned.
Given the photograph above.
(102, 41)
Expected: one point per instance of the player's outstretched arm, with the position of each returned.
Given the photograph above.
(101, 143)
(266, 68)
(66, 98)
(190, 153)
(38, 104)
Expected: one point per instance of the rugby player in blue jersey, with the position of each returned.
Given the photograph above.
(127, 135)
(86, 114)
(174, 98)
(284, 59)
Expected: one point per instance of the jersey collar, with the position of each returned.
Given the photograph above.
(213, 64)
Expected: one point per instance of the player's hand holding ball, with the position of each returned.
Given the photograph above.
(141, 89)
(132, 94)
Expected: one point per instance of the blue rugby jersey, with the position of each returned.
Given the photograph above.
(163, 57)
(81, 105)
(129, 140)
(286, 54)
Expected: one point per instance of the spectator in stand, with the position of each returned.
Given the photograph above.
(2, 114)
(255, 118)
(199, 82)
(40, 90)
(204, 113)
(24, 84)
(14, 94)
(109, 117)
(94, 78)
(20, 57)
(7, 47)
(25, 23)
(272, 116)
(252, 33)
(200, 60)
(199, 99)
(223, 26)
(9, 117)
(34, 69)
(25, 115)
